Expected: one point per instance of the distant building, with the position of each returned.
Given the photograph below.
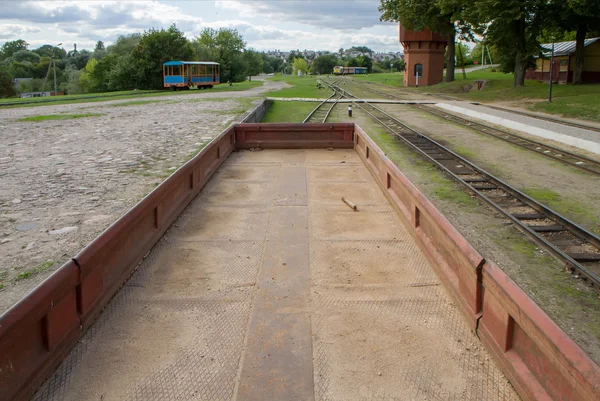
(564, 62)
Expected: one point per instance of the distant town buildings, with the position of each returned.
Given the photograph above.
(345, 53)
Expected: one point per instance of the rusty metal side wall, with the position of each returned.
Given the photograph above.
(294, 136)
(541, 360)
(452, 256)
(36, 333)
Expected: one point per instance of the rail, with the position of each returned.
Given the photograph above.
(562, 238)
(563, 156)
(319, 114)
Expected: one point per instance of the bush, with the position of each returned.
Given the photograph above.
(7, 88)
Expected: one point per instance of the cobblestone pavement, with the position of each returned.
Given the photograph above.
(62, 182)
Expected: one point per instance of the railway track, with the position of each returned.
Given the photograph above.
(569, 158)
(321, 113)
(577, 247)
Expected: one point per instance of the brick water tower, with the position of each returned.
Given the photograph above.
(423, 54)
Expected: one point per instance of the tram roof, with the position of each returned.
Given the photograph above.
(176, 62)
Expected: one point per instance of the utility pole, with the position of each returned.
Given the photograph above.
(551, 72)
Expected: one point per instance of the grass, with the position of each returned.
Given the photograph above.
(565, 206)
(585, 107)
(577, 101)
(60, 117)
(288, 112)
(106, 96)
(390, 78)
(36, 270)
(304, 87)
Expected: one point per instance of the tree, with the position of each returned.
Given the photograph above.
(99, 46)
(574, 16)
(294, 55)
(398, 65)
(276, 63)
(86, 78)
(125, 44)
(10, 48)
(122, 74)
(26, 56)
(155, 48)
(7, 88)
(365, 61)
(268, 68)
(490, 51)
(224, 46)
(513, 26)
(300, 64)
(436, 15)
(324, 64)
(254, 63)
(48, 50)
(78, 60)
(72, 84)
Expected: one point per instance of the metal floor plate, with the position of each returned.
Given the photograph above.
(268, 287)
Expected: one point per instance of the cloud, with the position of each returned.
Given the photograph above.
(10, 31)
(90, 16)
(345, 15)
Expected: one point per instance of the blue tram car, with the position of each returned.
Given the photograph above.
(187, 74)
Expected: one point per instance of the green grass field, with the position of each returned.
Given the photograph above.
(105, 96)
(288, 112)
(577, 101)
(305, 87)
(391, 79)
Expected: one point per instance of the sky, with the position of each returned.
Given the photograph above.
(265, 25)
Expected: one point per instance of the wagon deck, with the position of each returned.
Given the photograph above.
(269, 287)
(257, 282)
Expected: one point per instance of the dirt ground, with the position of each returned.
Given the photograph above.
(62, 182)
(574, 306)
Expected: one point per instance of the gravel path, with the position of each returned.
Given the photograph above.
(62, 182)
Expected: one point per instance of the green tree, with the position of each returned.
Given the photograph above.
(122, 74)
(7, 88)
(398, 65)
(365, 61)
(10, 48)
(48, 50)
(324, 64)
(299, 64)
(87, 75)
(26, 56)
(267, 67)
(513, 26)
(72, 84)
(578, 17)
(34, 85)
(155, 48)
(276, 63)
(78, 60)
(490, 51)
(125, 44)
(225, 46)
(254, 62)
